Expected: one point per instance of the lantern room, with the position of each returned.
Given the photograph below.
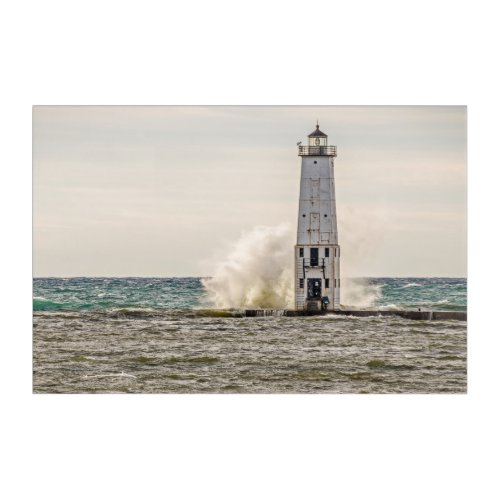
(317, 145)
(318, 138)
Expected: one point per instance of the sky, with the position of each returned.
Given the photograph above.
(167, 190)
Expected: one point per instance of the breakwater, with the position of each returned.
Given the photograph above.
(416, 315)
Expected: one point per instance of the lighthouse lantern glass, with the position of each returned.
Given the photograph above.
(317, 141)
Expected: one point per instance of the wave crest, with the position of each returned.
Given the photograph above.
(257, 273)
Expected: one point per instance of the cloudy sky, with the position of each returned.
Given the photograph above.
(165, 191)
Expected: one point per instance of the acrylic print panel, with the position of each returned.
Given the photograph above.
(157, 228)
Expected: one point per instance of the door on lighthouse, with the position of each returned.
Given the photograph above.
(314, 288)
(314, 229)
(314, 256)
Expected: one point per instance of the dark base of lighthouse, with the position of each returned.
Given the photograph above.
(418, 315)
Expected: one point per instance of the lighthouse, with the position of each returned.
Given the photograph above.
(317, 253)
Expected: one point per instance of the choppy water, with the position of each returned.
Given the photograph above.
(144, 335)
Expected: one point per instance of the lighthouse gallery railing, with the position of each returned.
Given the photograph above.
(317, 150)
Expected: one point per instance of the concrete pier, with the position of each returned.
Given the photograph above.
(417, 315)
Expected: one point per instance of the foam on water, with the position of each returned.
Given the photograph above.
(390, 307)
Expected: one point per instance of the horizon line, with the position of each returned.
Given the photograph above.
(180, 277)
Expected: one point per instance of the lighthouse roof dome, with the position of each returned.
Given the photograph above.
(317, 133)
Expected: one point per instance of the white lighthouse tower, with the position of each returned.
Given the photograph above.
(317, 253)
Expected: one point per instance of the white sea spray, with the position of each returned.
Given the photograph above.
(359, 292)
(360, 234)
(258, 272)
